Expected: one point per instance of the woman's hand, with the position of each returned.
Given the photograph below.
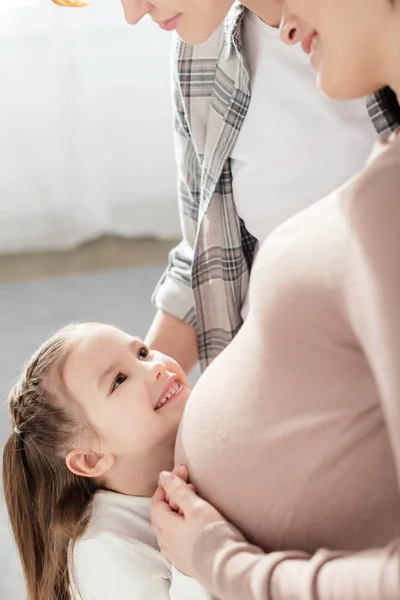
(179, 520)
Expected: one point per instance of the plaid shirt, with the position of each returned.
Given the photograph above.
(207, 277)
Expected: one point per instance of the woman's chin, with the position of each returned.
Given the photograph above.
(345, 88)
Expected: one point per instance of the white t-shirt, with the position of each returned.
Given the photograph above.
(118, 558)
(295, 145)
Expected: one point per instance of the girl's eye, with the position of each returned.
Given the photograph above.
(143, 353)
(119, 380)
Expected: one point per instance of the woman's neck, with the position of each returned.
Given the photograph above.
(391, 44)
(394, 71)
(387, 55)
(270, 11)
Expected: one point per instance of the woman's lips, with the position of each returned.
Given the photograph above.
(170, 24)
(309, 42)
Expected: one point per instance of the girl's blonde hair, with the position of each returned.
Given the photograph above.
(48, 506)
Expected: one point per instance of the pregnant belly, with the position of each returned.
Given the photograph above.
(287, 475)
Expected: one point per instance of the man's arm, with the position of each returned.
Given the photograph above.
(174, 337)
(173, 329)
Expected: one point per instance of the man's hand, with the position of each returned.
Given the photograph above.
(178, 529)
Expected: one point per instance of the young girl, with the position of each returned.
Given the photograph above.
(95, 416)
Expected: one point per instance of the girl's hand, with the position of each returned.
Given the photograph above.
(182, 472)
(178, 532)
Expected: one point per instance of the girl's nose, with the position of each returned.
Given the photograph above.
(157, 369)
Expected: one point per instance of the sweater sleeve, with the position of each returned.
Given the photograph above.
(233, 569)
(223, 560)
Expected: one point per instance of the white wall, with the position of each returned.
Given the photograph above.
(85, 127)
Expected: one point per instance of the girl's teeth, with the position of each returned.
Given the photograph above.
(172, 390)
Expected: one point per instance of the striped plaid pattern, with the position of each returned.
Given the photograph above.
(384, 110)
(207, 277)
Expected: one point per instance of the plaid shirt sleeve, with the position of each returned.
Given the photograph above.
(173, 293)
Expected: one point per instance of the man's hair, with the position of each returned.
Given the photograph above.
(71, 3)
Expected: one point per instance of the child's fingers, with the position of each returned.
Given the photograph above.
(180, 512)
(182, 472)
(180, 493)
(160, 495)
(172, 504)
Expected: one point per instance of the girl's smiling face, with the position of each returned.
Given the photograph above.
(132, 397)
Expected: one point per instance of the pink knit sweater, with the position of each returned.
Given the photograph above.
(293, 433)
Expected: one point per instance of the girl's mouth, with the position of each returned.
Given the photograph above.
(172, 391)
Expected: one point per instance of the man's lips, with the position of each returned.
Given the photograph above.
(169, 24)
(309, 42)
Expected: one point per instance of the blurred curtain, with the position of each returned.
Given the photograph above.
(85, 127)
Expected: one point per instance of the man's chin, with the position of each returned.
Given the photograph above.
(193, 34)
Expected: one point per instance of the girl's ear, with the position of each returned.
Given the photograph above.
(89, 464)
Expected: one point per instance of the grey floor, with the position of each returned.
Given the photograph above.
(31, 311)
